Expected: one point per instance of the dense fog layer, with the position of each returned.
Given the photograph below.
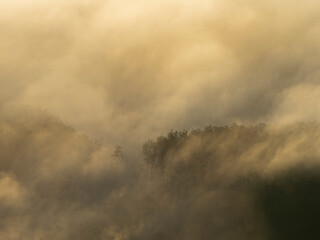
(225, 182)
(130, 70)
(89, 91)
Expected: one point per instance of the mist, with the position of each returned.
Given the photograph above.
(155, 120)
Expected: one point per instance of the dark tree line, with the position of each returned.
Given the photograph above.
(288, 200)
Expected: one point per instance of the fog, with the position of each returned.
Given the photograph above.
(78, 79)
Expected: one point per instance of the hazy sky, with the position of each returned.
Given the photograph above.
(73, 71)
(128, 70)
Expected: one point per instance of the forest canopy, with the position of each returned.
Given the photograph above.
(218, 159)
